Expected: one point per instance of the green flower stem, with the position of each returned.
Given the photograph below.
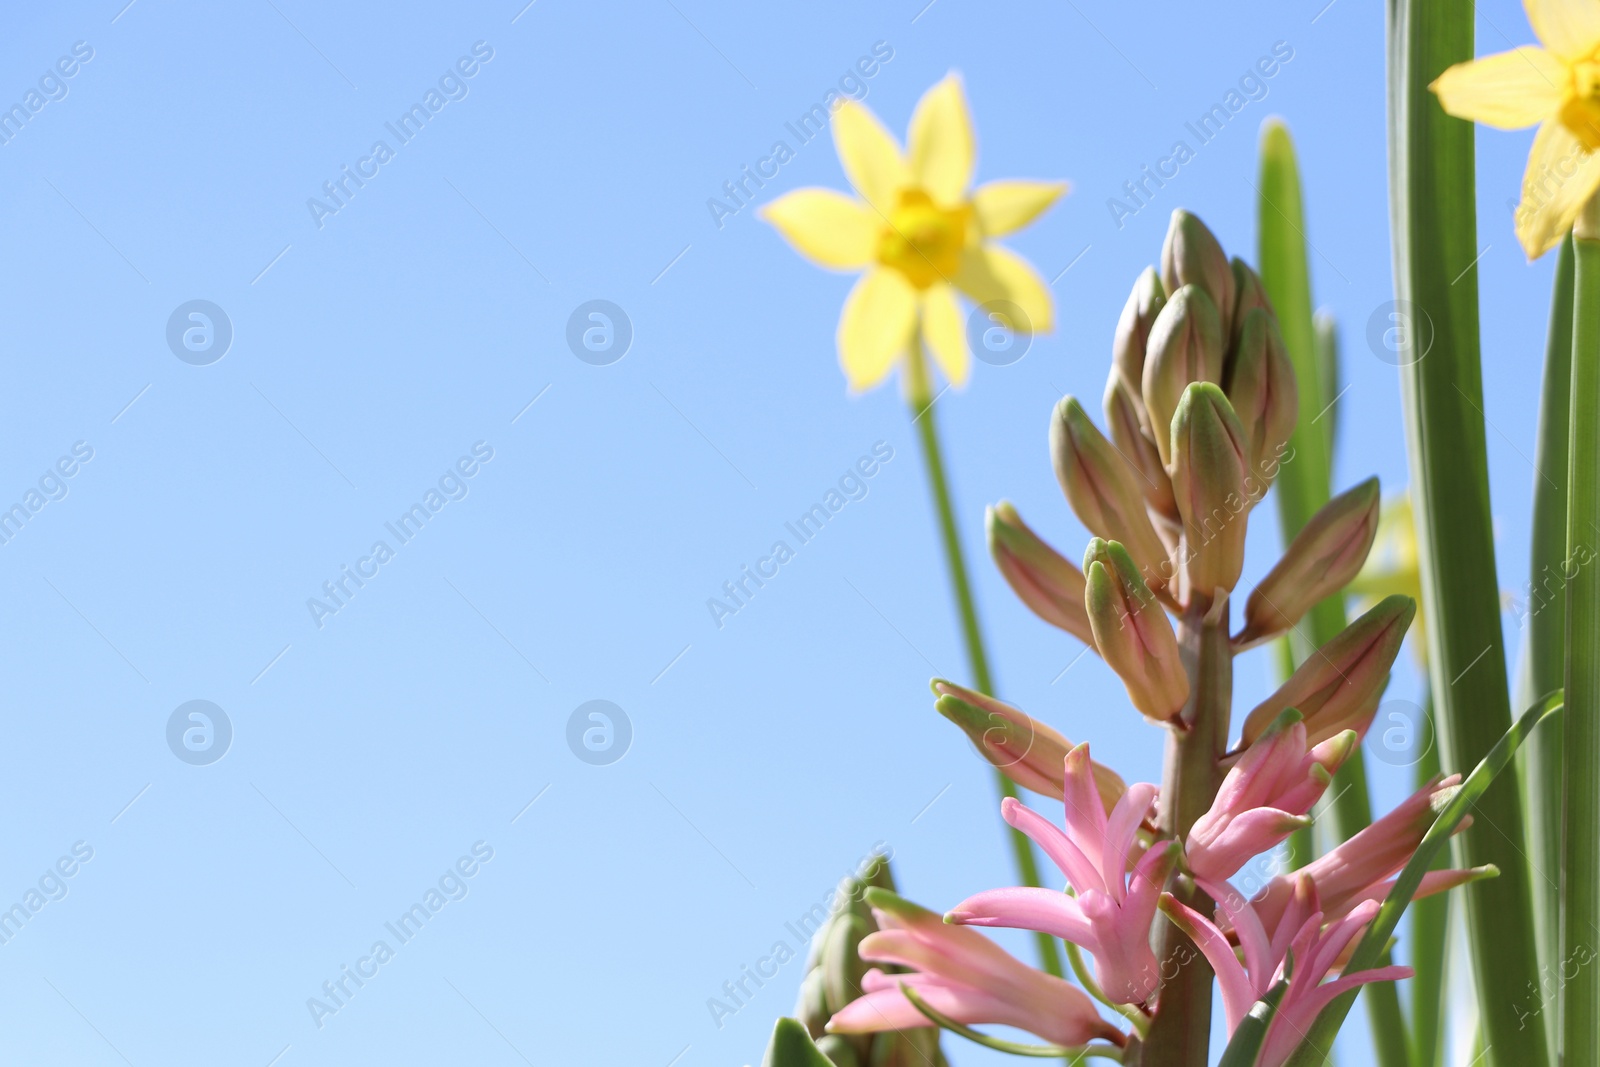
(1180, 1035)
(921, 401)
(1580, 846)
(1544, 625)
(1430, 930)
(1433, 214)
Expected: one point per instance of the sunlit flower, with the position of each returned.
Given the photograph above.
(1110, 916)
(962, 974)
(1556, 87)
(1304, 954)
(919, 234)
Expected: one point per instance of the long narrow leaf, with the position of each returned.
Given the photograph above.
(1543, 615)
(1580, 848)
(1430, 934)
(1434, 217)
(1313, 1051)
(1304, 485)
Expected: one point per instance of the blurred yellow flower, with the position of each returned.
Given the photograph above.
(1393, 567)
(918, 235)
(1556, 87)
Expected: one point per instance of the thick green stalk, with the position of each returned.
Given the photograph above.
(1430, 932)
(1434, 221)
(1580, 845)
(1180, 1035)
(1544, 629)
(921, 401)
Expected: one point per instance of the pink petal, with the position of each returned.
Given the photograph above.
(1086, 813)
(1258, 959)
(1083, 874)
(1121, 829)
(1028, 908)
(1237, 993)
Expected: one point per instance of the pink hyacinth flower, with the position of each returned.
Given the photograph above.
(1265, 797)
(962, 974)
(1110, 916)
(1363, 868)
(1314, 951)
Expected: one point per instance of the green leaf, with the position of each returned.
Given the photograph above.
(1314, 1050)
(791, 1046)
(1327, 355)
(1245, 1045)
(1544, 622)
(1430, 929)
(1433, 212)
(1304, 486)
(1580, 855)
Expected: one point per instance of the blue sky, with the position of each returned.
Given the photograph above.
(379, 351)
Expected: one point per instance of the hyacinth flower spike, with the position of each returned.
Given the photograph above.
(1305, 960)
(961, 974)
(1111, 915)
(1265, 797)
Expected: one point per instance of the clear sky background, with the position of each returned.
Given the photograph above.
(371, 352)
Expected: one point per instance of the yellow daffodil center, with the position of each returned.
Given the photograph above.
(1580, 112)
(923, 241)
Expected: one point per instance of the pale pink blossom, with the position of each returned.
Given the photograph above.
(962, 974)
(1265, 797)
(1111, 914)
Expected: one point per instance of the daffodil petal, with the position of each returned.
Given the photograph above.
(941, 143)
(1569, 28)
(1510, 90)
(990, 272)
(1004, 207)
(869, 155)
(826, 226)
(946, 332)
(1560, 178)
(875, 325)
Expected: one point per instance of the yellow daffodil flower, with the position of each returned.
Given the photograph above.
(918, 234)
(1394, 566)
(1556, 87)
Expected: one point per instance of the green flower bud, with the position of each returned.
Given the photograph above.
(1027, 751)
(1185, 347)
(1261, 387)
(1133, 633)
(1133, 329)
(1208, 478)
(834, 969)
(1041, 577)
(1322, 560)
(1192, 256)
(1249, 294)
(1101, 486)
(1126, 416)
(1339, 688)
